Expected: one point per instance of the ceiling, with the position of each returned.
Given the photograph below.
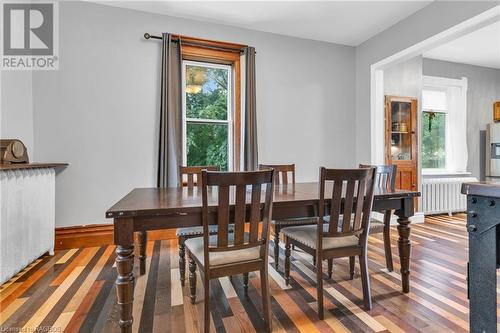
(480, 48)
(341, 22)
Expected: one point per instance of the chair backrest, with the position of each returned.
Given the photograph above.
(190, 172)
(351, 202)
(234, 187)
(281, 172)
(386, 175)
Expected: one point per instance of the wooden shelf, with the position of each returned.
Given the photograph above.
(398, 132)
(18, 166)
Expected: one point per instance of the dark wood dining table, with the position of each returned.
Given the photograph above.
(165, 208)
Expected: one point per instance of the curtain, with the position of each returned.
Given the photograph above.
(250, 141)
(170, 140)
(457, 123)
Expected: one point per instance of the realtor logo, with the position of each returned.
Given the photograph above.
(29, 39)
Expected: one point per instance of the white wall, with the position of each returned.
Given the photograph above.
(16, 108)
(99, 111)
(483, 90)
(428, 22)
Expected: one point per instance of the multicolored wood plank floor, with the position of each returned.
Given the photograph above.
(73, 291)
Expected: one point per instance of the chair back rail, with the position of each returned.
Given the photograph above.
(281, 171)
(386, 175)
(351, 202)
(190, 172)
(236, 185)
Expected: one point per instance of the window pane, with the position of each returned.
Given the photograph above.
(207, 145)
(206, 92)
(433, 140)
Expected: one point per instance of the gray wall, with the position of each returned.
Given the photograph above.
(404, 79)
(99, 111)
(427, 22)
(483, 90)
(16, 107)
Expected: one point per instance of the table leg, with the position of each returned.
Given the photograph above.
(404, 244)
(124, 239)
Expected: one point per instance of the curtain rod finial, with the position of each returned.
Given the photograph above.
(147, 36)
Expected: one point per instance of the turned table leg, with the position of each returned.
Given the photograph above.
(404, 244)
(124, 239)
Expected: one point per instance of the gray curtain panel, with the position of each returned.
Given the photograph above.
(170, 140)
(251, 153)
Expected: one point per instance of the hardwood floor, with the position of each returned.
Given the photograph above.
(73, 291)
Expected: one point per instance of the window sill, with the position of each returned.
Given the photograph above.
(426, 173)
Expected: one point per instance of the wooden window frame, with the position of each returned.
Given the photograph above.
(194, 49)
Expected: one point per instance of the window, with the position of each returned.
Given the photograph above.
(434, 123)
(211, 104)
(207, 114)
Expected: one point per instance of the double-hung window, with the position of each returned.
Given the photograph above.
(444, 124)
(211, 98)
(434, 124)
(208, 114)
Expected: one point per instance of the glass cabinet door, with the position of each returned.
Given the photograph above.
(401, 131)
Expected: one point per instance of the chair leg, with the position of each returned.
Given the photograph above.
(387, 241)
(266, 298)
(143, 241)
(276, 246)
(245, 282)
(365, 281)
(352, 261)
(330, 268)
(206, 312)
(287, 261)
(192, 279)
(319, 287)
(182, 260)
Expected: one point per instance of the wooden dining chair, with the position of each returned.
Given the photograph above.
(347, 233)
(189, 177)
(282, 172)
(385, 179)
(226, 253)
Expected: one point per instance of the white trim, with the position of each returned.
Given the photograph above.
(230, 108)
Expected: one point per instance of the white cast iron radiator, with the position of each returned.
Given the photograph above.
(27, 217)
(442, 195)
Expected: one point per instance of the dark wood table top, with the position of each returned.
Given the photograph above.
(161, 201)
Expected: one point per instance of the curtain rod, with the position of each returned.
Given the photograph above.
(192, 43)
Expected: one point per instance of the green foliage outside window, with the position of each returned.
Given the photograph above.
(207, 143)
(433, 140)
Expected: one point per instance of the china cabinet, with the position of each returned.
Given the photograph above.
(401, 139)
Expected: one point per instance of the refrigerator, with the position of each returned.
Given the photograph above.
(493, 150)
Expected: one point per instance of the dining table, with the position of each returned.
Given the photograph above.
(146, 209)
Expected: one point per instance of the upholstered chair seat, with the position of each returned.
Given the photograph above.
(195, 248)
(306, 234)
(198, 231)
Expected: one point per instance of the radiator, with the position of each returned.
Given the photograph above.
(442, 195)
(27, 217)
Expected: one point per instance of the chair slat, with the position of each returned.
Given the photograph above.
(223, 216)
(190, 180)
(239, 214)
(284, 176)
(349, 197)
(335, 205)
(255, 212)
(358, 212)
